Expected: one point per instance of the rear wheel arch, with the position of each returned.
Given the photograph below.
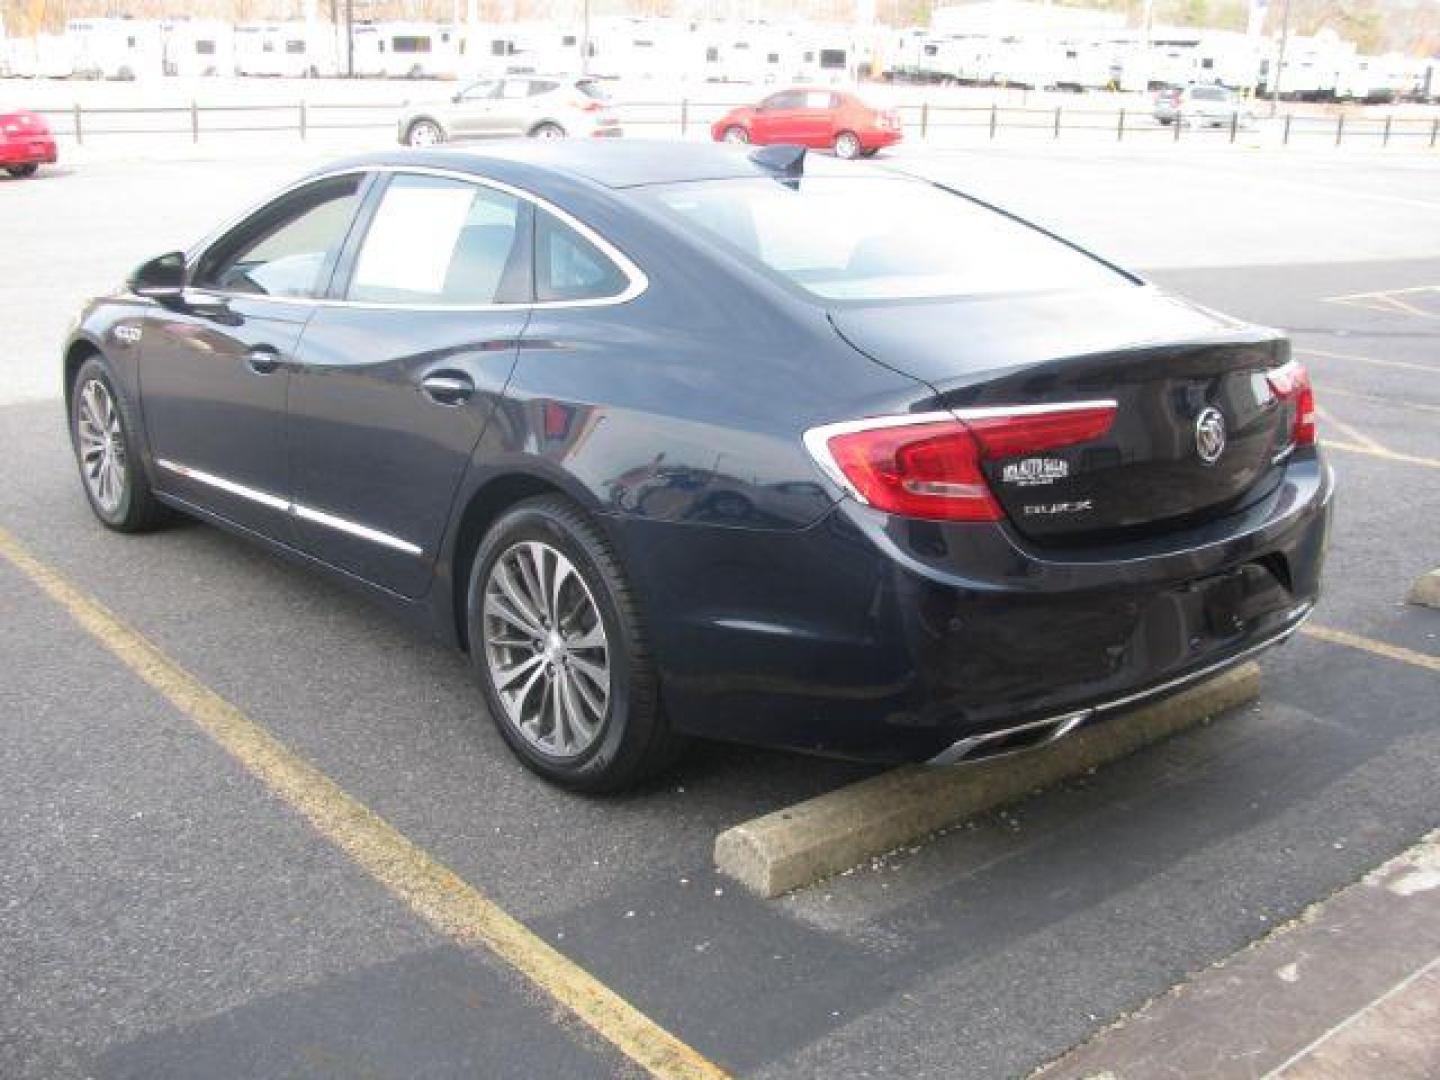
(483, 509)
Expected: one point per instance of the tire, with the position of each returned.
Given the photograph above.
(735, 134)
(847, 145)
(870, 153)
(22, 171)
(126, 502)
(547, 129)
(624, 737)
(424, 133)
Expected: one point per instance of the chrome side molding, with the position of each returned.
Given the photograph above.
(294, 509)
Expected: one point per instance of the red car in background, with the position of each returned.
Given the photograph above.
(25, 143)
(819, 118)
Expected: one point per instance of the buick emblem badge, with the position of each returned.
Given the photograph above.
(1210, 435)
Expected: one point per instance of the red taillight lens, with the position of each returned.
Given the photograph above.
(919, 470)
(1012, 434)
(1291, 382)
(932, 468)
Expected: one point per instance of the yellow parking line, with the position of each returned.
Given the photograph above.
(431, 890)
(1377, 399)
(1348, 429)
(1370, 645)
(1429, 369)
(1384, 455)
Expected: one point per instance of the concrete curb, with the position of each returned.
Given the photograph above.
(1426, 590)
(1351, 988)
(802, 844)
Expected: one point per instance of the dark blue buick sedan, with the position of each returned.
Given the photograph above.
(688, 440)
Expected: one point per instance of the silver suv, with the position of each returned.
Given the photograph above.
(541, 106)
(1202, 106)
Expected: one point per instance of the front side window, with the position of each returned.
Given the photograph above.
(435, 240)
(903, 239)
(570, 267)
(480, 90)
(787, 99)
(284, 249)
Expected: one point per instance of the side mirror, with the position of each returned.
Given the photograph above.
(457, 97)
(162, 278)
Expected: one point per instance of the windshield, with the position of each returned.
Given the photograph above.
(880, 238)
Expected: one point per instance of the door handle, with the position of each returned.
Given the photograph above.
(451, 388)
(263, 359)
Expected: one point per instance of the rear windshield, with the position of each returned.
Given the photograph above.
(592, 89)
(880, 238)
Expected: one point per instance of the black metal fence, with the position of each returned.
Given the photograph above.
(923, 121)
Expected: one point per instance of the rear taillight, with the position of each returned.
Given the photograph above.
(587, 105)
(931, 465)
(1290, 382)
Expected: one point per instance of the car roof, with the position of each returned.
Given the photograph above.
(614, 163)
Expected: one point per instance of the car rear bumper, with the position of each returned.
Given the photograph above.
(28, 152)
(872, 637)
(878, 140)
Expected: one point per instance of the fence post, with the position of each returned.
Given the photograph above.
(1120, 126)
(1434, 128)
(1234, 123)
(1339, 128)
(1285, 139)
(684, 115)
(80, 128)
(304, 120)
(1386, 140)
(1057, 121)
(194, 121)
(993, 115)
(925, 119)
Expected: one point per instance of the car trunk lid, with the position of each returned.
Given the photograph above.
(1198, 432)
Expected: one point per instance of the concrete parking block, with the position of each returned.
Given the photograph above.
(802, 844)
(1426, 590)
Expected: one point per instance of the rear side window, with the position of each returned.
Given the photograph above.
(878, 238)
(435, 240)
(286, 248)
(570, 267)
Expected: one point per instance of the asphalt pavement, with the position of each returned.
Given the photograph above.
(163, 913)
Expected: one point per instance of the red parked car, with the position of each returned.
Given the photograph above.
(25, 143)
(817, 118)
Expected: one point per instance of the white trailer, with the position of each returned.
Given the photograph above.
(1313, 68)
(1376, 80)
(1184, 57)
(204, 47)
(408, 50)
(293, 50)
(829, 54)
(115, 48)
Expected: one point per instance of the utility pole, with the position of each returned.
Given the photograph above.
(350, 38)
(585, 38)
(1275, 75)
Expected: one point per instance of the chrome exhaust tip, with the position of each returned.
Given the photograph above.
(1011, 740)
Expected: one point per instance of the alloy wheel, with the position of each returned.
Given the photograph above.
(102, 446)
(847, 145)
(424, 134)
(546, 650)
